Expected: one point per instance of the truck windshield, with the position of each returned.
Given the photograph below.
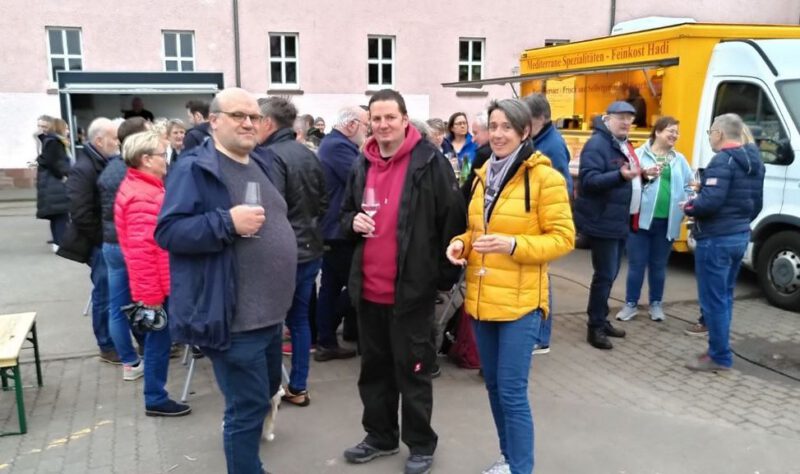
(790, 92)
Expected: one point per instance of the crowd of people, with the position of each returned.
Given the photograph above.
(214, 237)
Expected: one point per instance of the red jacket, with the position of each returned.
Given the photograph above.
(136, 209)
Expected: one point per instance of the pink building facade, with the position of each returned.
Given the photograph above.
(324, 55)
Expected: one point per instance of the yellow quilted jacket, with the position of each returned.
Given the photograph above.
(514, 285)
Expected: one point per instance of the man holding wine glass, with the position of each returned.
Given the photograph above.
(401, 207)
(220, 298)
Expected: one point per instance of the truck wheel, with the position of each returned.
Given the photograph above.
(778, 270)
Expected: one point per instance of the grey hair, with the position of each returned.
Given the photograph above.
(517, 113)
(347, 115)
(731, 126)
(483, 120)
(280, 110)
(539, 106)
(423, 128)
(97, 127)
(437, 124)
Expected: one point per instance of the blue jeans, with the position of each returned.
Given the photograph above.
(606, 259)
(99, 276)
(157, 345)
(248, 374)
(119, 294)
(298, 324)
(648, 250)
(716, 263)
(505, 352)
(546, 328)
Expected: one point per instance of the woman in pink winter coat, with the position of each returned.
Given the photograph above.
(136, 209)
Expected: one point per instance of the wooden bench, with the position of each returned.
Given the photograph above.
(15, 329)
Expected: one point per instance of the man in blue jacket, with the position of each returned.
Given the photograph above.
(546, 139)
(232, 270)
(337, 152)
(608, 169)
(730, 197)
(198, 116)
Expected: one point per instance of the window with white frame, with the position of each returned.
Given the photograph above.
(380, 61)
(283, 59)
(178, 51)
(64, 48)
(470, 59)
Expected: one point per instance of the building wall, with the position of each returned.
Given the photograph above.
(127, 36)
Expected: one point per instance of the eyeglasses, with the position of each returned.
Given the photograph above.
(711, 130)
(239, 117)
(163, 154)
(459, 124)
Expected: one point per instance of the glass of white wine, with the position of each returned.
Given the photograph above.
(370, 205)
(252, 198)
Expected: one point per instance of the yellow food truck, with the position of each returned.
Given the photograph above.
(693, 72)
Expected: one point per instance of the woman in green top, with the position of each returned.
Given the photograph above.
(660, 217)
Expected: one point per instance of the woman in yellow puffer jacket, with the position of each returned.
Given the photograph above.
(519, 220)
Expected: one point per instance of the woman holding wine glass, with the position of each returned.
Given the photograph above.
(519, 221)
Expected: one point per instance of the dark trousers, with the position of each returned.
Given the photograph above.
(396, 359)
(58, 224)
(606, 260)
(333, 302)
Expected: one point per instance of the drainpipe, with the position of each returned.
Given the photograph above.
(613, 16)
(236, 52)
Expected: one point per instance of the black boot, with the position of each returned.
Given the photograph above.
(597, 338)
(611, 331)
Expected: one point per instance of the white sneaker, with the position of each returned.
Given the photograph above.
(656, 311)
(499, 467)
(627, 312)
(133, 372)
(537, 349)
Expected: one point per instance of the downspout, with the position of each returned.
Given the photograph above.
(236, 52)
(613, 16)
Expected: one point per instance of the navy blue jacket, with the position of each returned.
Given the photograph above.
(552, 144)
(196, 228)
(108, 183)
(337, 154)
(731, 195)
(195, 137)
(602, 208)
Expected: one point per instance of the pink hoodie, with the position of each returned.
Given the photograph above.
(380, 253)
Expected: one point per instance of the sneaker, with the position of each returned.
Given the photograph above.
(499, 467)
(656, 311)
(538, 349)
(704, 363)
(628, 312)
(286, 348)
(363, 452)
(168, 408)
(418, 464)
(324, 354)
(696, 329)
(133, 372)
(110, 357)
(299, 398)
(436, 371)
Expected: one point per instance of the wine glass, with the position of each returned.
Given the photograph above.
(252, 198)
(370, 205)
(482, 271)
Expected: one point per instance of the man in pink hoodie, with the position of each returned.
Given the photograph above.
(398, 265)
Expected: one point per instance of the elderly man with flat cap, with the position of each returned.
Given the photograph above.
(607, 207)
(223, 257)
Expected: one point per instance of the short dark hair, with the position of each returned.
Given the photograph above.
(452, 122)
(538, 105)
(280, 110)
(517, 113)
(131, 126)
(198, 106)
(661, 124)
(389, 95)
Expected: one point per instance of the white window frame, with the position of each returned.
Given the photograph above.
(179, 56)
(381, 61)
(65, 55)
(471, 62)
(284, 60)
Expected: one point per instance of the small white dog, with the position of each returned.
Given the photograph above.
(268, 433)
